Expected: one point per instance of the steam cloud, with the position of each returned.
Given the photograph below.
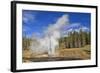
(49, 42)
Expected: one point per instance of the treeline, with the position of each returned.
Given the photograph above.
(75, 39)
(26, 42)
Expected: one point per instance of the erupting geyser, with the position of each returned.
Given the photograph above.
(49, 43)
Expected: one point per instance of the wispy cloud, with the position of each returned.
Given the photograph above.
(73, 27)
(25, 28)
(28, 17)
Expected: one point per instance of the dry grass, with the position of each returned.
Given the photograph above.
(27, 53)
(78, 53)
(74, 53)
(87, 49)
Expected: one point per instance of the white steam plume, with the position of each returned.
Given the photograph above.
(49, 43)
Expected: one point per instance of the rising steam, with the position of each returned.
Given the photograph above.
(49, 43)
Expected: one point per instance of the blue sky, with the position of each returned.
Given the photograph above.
(36, 22)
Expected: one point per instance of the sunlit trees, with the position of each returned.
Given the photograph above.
(75, 39)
